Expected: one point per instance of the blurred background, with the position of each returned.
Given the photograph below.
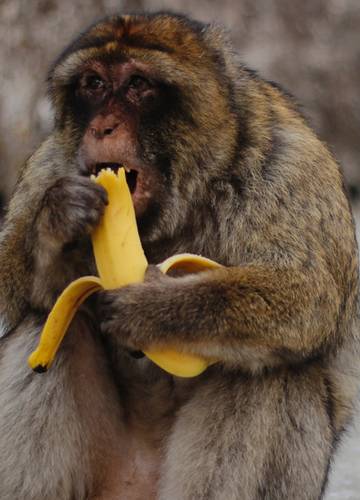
(311, 47)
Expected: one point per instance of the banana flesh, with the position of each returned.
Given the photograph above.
(120, 261)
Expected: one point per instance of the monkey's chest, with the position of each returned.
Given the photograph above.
(134, 473)
(150, 401)
(138, 475)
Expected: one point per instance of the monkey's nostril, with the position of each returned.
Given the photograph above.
(98, 134)
(99, 131)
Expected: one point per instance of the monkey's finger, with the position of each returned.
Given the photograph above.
(153, 273)
(88, 192)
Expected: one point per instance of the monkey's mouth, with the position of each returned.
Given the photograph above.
(141, 181)
(131, 174)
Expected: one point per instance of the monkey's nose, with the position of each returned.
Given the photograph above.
(101, 132)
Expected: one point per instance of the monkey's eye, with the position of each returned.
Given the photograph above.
(93, 82)
(139, 83)
(138, 87)
(92, 87)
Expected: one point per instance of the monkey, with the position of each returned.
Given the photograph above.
(220, 162)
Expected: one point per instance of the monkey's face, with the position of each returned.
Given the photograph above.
(145, 92)
(120, 100)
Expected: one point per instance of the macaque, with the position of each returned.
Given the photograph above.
(220, 163)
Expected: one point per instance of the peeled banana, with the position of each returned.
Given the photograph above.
(120, 261)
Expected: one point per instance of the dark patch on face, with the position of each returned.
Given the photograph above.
(77, 107)
(167, 104)
(146, 221)
(159, 122)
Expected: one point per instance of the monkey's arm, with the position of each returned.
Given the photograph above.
(250, 316)
(45, 234)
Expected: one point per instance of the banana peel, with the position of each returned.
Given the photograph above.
(120, 261)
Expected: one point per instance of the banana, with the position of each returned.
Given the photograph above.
(119, 256)
(120, 261)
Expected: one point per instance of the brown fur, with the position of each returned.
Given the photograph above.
(236, 175)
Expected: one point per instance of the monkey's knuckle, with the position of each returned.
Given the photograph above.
(108, 326)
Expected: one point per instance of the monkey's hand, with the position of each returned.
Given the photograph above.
(122, 312)
(70, 209)
(146, 315)
(251, 317)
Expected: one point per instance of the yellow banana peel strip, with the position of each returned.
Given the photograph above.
(120, 261)
(59, 320)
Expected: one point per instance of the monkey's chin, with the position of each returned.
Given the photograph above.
(144, 182)
(141, 195)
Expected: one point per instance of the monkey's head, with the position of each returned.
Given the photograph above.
(153, 93)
